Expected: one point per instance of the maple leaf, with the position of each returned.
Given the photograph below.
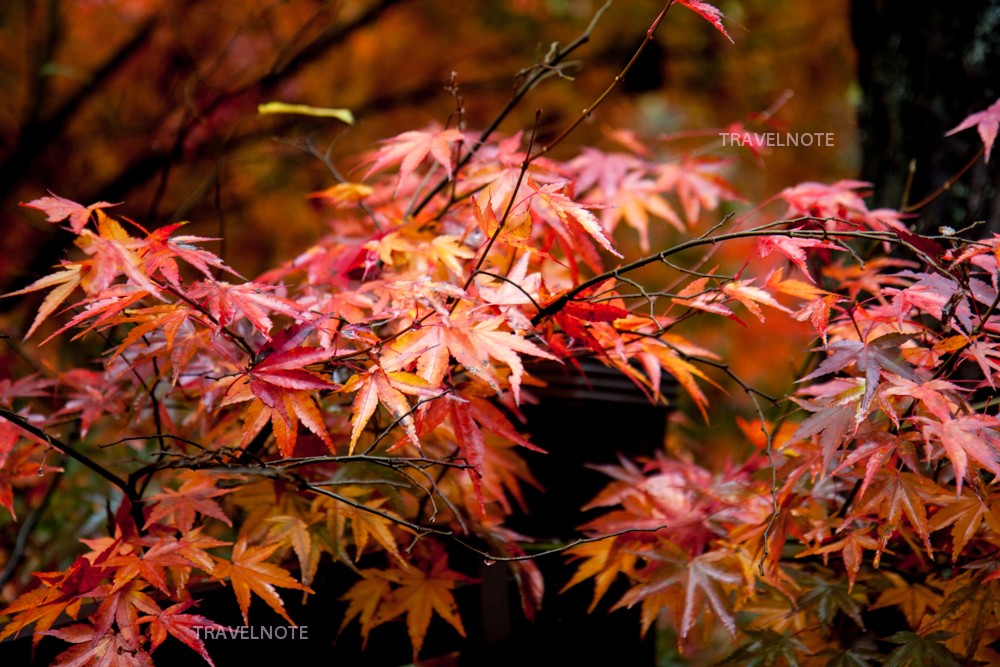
(343, 194)
(472, 340)
(64, 283)
(364, 599)
(98, 649)
(167, 320)
(566, 209)
(148, 558)
(838, 200)
(794, 249)
(940, 398)
(768, 647)
(493, 467)
(61, 592)
(162, 249)
(914, 599)
(419, 595)
(248, 573)
(698, 184)
(193, 497)
(708, 12)
(519, 289)
(281, 385)
(877, 447)
(818, 301)
(892, 495)
(516, 230)
(409, 149)
(921, 651)
(835, 419)
(89, 395)
(604, 561)
(604, 170)
(661, 354)
(57, 209)
(185, 627)
(870, 357)
(18, 467)
(986, 122)
(636, 199)
(697, 294)
(968, 436)
(966, 514)
(987, 355)
(251, 300)
(103, 309)
(574, 319)
(389, 388)
(284, 369)
(294, 530)
(115, 253)
(850, 548)
(121, 607)
(699, 579)
(750, 296)
(829, 598)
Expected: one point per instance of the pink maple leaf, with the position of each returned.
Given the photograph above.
(57, 209)
(987, 122)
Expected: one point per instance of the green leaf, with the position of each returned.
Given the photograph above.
(768, 649)
(344, 115)
(917, 651)
(852, 657)
(829, 598)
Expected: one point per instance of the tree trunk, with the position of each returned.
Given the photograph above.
(922, 68)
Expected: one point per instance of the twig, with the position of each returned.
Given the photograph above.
(946, 185)
(548, 552)
(552, 59)
(585, 114)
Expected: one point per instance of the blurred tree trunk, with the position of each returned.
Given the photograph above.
(922, 68)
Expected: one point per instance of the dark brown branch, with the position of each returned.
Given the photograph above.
(127, 487)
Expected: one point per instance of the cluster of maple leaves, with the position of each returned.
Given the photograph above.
(360, 403)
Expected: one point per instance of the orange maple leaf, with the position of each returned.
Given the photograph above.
(247, 572)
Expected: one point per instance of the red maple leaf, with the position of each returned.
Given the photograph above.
(194, 496)
(709, 12)
(182, 626)
(101, 649)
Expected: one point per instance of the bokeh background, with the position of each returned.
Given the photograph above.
(153, 103)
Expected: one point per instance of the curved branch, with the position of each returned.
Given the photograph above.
(767, 230)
